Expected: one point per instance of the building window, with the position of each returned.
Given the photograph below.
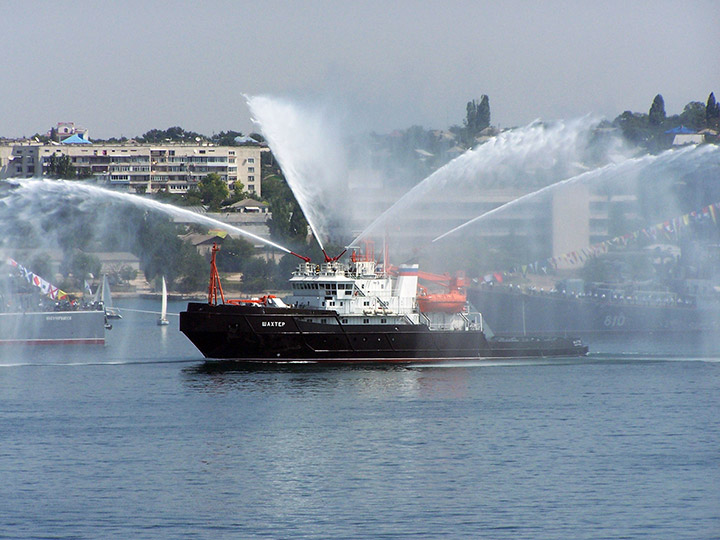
(251, 178)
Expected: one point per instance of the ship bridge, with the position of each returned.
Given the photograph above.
(357, 292)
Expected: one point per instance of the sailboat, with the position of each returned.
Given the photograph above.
(162, 321)
(111, 312)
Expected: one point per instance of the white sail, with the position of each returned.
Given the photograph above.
(111, 311)
(163, 305)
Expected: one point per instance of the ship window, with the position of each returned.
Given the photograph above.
(341, 303)
(383, 320)
(366, 321)
(323, 321)
(344, 321)
(366, 303)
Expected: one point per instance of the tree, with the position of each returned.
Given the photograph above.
(172, 134)
(477, 117)
(81, 265)
(484, 112)
(657, 111)
(235, 253)
(693, 115)
(288, 222)
(213, 190)
(61, 167)
(40, 265)
(226, 138)
(712, 111)
(634, 126)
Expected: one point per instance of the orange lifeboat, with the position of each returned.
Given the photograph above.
(450, 302)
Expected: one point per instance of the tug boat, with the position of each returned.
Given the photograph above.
(350, 313)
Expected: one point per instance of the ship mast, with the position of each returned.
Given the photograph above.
(214, 285)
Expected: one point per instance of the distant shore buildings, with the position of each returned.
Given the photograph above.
(135, 167)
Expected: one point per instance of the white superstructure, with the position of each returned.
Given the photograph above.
(359, 293)
(363, 293)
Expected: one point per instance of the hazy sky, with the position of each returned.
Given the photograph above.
(122, 68)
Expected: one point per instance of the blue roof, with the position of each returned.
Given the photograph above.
(680, 129)
(75, 139)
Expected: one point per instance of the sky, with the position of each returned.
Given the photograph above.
(123, 68)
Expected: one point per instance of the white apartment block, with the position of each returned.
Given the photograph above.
(142, 168)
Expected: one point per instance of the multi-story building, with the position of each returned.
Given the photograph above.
(139, 167)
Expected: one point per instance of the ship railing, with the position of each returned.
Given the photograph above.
(476, 323)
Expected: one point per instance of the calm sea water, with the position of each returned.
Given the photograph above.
(135, 440)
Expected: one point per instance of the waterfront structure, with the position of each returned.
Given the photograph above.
(139, 168)
(566, 221)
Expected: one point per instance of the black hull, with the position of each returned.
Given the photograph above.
(556, 314)
(257, 334)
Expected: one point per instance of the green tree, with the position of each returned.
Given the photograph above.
(656, 116)
(127, 273)
(40, 265)
(693, 115)
(477, 118)
(81, 265)
(195, 270)
(712, 111)
(171, 134)
(226, 138)
(287, 222)
(213, 190)
(634, 126)
(235, 253)
(61, 167)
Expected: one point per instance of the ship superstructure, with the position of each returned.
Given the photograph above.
(362, 292)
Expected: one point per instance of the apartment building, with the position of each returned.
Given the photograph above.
(139, 168)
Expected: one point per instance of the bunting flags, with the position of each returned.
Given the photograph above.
(669, 230)
(45, 286)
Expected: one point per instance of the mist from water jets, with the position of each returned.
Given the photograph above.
(665, 169)
(306, 143)
(334, 171)
(522, 159)
(37, 197)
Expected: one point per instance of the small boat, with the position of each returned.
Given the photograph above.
(111, 312)
(162, 321)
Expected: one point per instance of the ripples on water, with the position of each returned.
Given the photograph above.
(137, 440)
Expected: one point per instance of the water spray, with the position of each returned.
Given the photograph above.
(60, 187)
(700, 156)
(538, 154)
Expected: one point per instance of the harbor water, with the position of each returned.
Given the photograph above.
(137, 439)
